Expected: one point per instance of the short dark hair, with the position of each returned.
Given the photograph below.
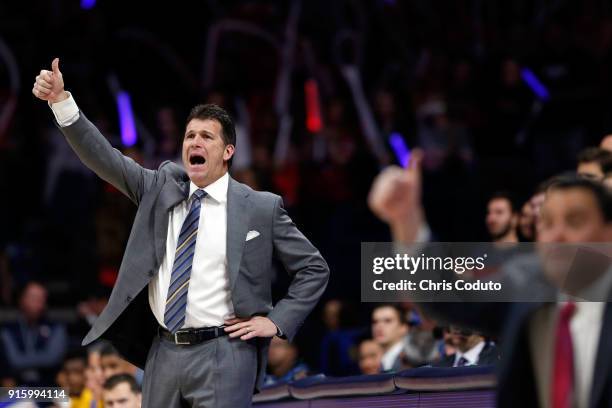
(598, 155)
(212, 111)
(394, 306)
(505, 195)
(602, 195)
(117, 379)
(108, 350)
(76, 354)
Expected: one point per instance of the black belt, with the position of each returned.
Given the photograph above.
(192, 336)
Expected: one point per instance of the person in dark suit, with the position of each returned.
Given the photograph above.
(33, 345)
(471, 349)
(555, 354)
(389, 329)
(192, 303)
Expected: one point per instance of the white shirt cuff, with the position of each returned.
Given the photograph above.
(66, 112)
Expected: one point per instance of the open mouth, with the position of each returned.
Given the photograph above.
(196, 159)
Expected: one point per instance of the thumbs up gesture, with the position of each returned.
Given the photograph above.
(49, 85)
(395, 198)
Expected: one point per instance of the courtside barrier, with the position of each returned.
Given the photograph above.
(421, 387)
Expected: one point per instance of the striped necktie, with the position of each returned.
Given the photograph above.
(176, 301)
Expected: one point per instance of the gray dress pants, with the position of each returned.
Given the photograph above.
(217, 373)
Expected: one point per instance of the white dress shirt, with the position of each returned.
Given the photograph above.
(471, 355)
(388, 359)
(208, 297)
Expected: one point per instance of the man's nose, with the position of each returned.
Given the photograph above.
(557, 234)
(198, 140)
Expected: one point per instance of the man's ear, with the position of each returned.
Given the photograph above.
(228, 152)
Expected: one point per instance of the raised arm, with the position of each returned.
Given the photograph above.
(395, 198)
(90, 145)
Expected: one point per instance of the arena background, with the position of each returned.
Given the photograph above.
(500, 95)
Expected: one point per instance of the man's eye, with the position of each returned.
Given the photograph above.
(575, 221)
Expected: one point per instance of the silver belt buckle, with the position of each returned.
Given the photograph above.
(176, 340)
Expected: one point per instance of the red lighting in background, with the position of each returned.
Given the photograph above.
(313, 109)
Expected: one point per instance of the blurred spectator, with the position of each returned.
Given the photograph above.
(594, 163)
(283, 364)
(606, 143)
(331, 314)
(420, 348)
(121, 391)
(73, 371)
(34, 346)
(502, 218)
(112, 363)
(536, 202)
(448, 346)
(370, 357)
(471, 349)
(441, 138)
(526, 223)
(389, 330)
(337, 346)
(91, 396)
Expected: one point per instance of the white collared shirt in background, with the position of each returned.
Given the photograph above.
(389, 358)
(471, 355)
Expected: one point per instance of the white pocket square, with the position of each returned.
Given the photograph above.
(251, 235)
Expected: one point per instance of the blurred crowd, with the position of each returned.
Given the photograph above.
(499, 96)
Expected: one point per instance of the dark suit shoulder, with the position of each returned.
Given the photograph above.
(489, 355)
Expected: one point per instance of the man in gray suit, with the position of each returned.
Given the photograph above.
(192, 304)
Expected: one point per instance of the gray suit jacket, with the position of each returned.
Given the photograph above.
(127, 320)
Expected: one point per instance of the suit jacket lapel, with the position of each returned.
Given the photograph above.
(237, 227)
(172, 193)
(603, 359)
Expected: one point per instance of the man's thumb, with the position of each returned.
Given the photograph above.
(416, 157)
(55, 66)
